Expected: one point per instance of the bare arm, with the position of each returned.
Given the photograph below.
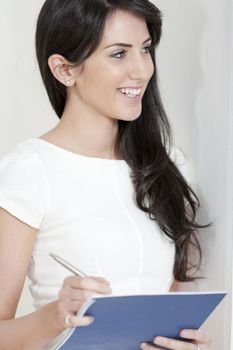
(33, 331)
(16, 244)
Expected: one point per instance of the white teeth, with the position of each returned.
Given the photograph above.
(134, 92)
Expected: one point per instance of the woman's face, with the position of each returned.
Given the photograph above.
(112, 68)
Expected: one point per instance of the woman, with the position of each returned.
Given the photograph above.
(104, 188)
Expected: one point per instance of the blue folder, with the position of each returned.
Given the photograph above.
(124, 322)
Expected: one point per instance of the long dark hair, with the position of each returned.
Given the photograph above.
(74, 29)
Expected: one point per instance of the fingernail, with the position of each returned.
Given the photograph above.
(91, 319)
(159, 340)
(183, 333)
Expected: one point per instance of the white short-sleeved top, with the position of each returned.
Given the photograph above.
(84, 209)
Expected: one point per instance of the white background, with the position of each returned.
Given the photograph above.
(194, 69)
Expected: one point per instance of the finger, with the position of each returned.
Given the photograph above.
(174, 344)
(71, 294)
(84, 321)
(147, 346)
(67, 307)
(197, 335)
(101, 279)
(87, 283)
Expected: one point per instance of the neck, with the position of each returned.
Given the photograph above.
(89, 136)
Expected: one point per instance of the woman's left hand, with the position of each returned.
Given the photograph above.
(200, 341)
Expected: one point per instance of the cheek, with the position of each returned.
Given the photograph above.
(104, 81)
(112, 76)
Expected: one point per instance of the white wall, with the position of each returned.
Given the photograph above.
(194, 66)
(25, 110)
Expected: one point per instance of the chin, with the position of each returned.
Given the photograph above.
(129, 118)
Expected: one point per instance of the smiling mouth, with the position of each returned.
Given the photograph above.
(130, 95)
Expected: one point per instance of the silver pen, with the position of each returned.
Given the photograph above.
(67, 265)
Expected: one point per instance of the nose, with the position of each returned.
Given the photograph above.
(140, 68)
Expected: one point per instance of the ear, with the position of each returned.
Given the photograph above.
(61, 70)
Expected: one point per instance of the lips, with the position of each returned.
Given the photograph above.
(128, 89)
(132, 87)
(132, 98)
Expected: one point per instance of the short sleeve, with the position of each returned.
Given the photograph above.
(23, 191)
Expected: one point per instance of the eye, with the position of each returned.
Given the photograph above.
(116, 55)
(147, 48)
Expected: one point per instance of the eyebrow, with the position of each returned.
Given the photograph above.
(126, 45)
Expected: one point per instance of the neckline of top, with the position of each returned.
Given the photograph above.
(77, 154)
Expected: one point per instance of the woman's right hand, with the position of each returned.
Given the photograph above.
(74, 293)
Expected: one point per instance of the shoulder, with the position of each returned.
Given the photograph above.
(20, 156)
(21, 166)
(23, 185)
